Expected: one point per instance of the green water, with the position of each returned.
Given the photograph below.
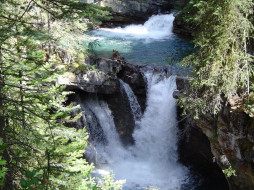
(151, 43)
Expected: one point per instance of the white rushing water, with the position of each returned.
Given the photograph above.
(106, 152)
(135, 107)
(152, 42)
(157, 27)
(152, 160)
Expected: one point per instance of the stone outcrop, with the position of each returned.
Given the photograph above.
(137, 8)
(231, 135)
(229, 141)
(180, 27)
(194, 147)
(195, 153)
(134, 11)
(100, 79)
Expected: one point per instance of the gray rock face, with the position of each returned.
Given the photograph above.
(226, 139)
(102, 79)
(180, 27)
(195, 152)
(232, 140)
(132, 7)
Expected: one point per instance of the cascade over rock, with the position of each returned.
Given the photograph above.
(192, 154)
(104, 83)
(136, 11)
(151, 159)
(135, 8)
(112, 98)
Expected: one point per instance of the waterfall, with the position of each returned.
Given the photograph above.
(157, 27)
(152, 42)
(108, 144)
(155, 147)
(104, 116)
(135, 107)
(152, 160)
(159, 125)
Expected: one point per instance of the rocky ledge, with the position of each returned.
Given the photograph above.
(104, 75)
(231, 135)
(230, 138)
(101, 78)
(180, 27)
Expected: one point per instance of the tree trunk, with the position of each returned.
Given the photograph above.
(8, 182)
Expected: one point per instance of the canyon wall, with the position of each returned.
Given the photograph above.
(230, 136)
(134, 7)
(136, 11)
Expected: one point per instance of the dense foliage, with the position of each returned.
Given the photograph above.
(37, 150)
(222, 65)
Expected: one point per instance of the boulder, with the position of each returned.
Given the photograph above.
(102, 79)
(180, 27)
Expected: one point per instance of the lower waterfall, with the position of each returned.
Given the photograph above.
(153, 160)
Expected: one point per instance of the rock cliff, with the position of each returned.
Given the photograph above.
(136, 11)
(230, 138)
(134, 7)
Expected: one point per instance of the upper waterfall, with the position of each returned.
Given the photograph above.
(157, 27)
(152, 42)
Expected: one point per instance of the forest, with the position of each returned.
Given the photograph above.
(40, 40)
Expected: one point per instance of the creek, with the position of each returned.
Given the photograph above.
(151, 43)
(152, 160)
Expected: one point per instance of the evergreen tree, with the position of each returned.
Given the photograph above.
(40, 152)
(222, 66)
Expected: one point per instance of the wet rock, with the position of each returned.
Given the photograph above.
(132, 74)
(232, 143)
(176, 94)
(123, 118)
(101, 79)
(137, 8)
(180, 27)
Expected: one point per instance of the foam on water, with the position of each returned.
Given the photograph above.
(157, 27)
(152, 161)
(152, 42)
